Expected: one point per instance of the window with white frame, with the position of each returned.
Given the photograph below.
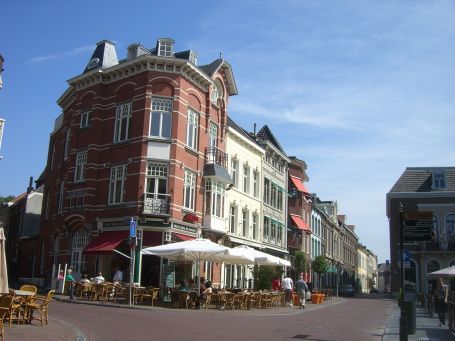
(157, 174)
(160, 118)
(189, 190)
(279, 233)
(213, 135)
(439, 179)
(246, 179)
(279, 200)
(54, 149)
(79, 242)
(76, 199)
(273, 195)
(255, 183)
(117, 184)
(48, 200)
(232, 218)
(214, 198)
(235, 172)
(81, 161)
(192, 129)
(266, 229)
(165, 47)
(450, 227)
(435, 226)
(67, 144)
(273, 226)
(60, 197)
(254, 223)
(56, 249)
(122, 122)
(84, 119)
(245, 216)
(217, 92)
(266, 191)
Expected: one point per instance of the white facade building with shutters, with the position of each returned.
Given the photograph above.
(243, 204)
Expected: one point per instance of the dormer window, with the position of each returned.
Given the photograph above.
(193, 57)
(439, 179)
(165, 47)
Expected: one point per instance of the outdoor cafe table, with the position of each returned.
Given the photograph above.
(26, 296)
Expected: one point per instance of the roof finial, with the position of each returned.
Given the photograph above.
(221, 55)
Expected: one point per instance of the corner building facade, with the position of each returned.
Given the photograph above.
(141, 138)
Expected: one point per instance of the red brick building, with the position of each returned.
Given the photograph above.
(299, 209)
(139, 138)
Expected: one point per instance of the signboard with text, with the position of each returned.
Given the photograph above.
(417, 226)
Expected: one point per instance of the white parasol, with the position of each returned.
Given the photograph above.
(3, 272)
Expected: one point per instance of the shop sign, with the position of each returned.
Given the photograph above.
(184, 228)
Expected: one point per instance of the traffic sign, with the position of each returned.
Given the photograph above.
(132, 228)
(331, 269)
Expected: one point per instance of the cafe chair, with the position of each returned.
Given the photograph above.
(15, 308)
(150, 294)
(183, 299)
(5, 303)
(29, 287)
(121, 294)
(40, 304)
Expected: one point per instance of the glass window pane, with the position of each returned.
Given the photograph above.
(155, 124)
(166, 129)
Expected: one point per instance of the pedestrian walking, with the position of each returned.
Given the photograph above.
(441, 295)
(301, 288)
(69, 278)
(287, 285)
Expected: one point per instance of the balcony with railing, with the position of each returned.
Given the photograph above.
(216, 164)
(156, 204)
(213, 155)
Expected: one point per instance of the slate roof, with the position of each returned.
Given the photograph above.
(211, 68)
(265, 134)
(419, 179)
(240, 130)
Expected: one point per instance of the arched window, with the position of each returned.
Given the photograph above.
(450, 227)
(436, 227)
(432, 265)
(79, 241)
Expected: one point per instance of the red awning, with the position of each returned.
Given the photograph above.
(300, 223)
(183, 236)
(106, 242)
(299, 184)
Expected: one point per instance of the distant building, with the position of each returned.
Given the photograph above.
(384, 277)
(423, 189)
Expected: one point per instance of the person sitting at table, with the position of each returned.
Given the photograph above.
(98, 279)
(84, 279)
(118, 276)
(182, 286)
(208, 290)
(201, 285)
(191, 284)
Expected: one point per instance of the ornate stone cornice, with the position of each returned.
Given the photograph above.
(132, 67)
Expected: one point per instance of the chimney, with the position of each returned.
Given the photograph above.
(136, 50)
(30, 185)
(103, 57)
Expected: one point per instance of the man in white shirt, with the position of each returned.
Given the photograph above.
(99, 278)
(287, 285)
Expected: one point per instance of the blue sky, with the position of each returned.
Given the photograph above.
(358, 89)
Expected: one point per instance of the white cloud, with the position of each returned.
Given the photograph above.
(75, 51)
